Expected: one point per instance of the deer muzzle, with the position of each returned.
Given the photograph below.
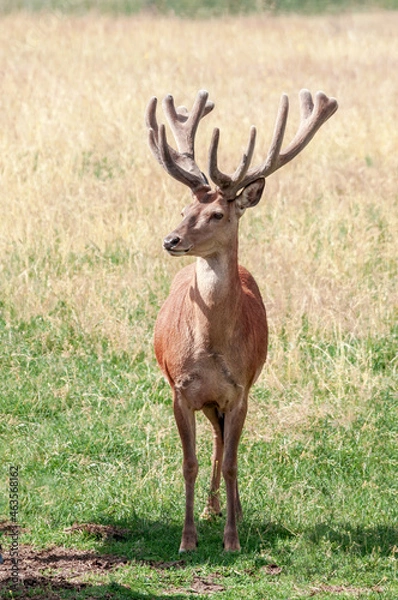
(173, 244)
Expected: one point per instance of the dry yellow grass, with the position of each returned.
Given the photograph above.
(78, 183)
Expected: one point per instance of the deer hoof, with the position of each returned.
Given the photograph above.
(186, 548)
(188, 544)
(231, 544)
(210, 513)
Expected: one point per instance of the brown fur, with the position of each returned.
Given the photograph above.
(211, 344)
(211, 334)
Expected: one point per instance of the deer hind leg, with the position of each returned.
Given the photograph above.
(213, 502)
(185, 419)
(234, 421)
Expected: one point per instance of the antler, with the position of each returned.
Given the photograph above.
(312, 118)
(179, 164)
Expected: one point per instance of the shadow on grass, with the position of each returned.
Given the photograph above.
(44, 589)
(154, 545)
(357, 540)
(153, 542)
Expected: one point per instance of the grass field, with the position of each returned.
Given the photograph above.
(85, 413)
(196, 8)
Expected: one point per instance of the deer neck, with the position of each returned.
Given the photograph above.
(216, 295)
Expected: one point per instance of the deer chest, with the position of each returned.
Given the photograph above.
(207, 379)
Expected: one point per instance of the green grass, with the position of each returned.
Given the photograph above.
(92, 432)
(196, 8)
(84, 410)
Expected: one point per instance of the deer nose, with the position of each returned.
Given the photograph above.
(171, 241)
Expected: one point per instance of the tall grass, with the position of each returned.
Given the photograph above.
(197, 8)
(84, 208)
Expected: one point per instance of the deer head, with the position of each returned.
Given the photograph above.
(212, 219)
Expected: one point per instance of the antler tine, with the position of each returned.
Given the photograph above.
(150, 114)
(278, 135)
(313, 116)
(179, 164)
(152, 126)
(170, 159)
(230, 184)
(219, 178)
(183, 124)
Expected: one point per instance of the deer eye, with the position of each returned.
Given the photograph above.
(218, 216)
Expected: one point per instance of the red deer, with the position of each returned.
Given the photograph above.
(211, 333)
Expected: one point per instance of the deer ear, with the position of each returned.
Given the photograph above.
(250, 195)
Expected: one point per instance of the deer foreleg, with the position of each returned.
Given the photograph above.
(185, 419)
(217, 421)
(234, 421)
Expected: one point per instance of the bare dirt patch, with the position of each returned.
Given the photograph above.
(100, 531)
(199, 585)
(54, 569)
(165, 565)
(272, 569)
(206, 585)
